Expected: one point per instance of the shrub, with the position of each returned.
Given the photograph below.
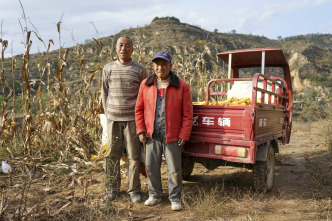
(315, 111)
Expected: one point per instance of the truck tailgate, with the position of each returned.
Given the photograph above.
(221, 123)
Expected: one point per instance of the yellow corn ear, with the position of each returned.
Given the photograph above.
(242, 104)
(228, 101)
(244, 99)
(201, 103)
(213, 102)
(232, 101)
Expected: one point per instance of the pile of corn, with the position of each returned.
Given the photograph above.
(231, 102)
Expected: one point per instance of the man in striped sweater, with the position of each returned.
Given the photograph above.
(120, 85)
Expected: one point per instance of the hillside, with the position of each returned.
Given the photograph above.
(309, 56)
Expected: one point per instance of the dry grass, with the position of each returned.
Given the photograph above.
(298, 126)
(219, 203)
(54, 192)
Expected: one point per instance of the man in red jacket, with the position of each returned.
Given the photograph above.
(163, 115)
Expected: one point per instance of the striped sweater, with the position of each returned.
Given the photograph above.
(120, 86)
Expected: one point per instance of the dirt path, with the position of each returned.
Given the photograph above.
(302, 190)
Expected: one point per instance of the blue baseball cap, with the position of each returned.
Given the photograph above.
(163, 55)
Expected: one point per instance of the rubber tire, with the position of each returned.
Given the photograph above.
(264, 172)
(188, 164)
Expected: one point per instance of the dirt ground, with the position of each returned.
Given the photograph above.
(302, 190)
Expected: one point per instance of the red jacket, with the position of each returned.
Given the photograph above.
(178, 108)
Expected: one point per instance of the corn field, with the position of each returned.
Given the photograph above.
(66, 128)
(67, 125)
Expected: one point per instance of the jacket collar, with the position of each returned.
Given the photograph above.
(173, 80)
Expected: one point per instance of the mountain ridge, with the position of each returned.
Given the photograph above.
(309, 56)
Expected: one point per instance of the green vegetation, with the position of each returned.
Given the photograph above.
(167, 18)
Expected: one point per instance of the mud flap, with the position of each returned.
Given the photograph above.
(261, 152)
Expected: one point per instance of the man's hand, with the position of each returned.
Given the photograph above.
(142, 137)
(181, 142)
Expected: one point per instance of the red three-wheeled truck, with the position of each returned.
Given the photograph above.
(244, 135)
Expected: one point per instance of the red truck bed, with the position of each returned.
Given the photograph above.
(244, 134)
(232, 132)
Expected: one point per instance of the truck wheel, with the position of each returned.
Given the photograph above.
(187, 166)
(264, 172)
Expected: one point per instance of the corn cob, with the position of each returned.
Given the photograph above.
(230, 101)
(213, 102)
(201, 103)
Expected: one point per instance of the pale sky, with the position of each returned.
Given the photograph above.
(267, 18)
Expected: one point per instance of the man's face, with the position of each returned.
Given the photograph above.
(124, 49)
(162, 68)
